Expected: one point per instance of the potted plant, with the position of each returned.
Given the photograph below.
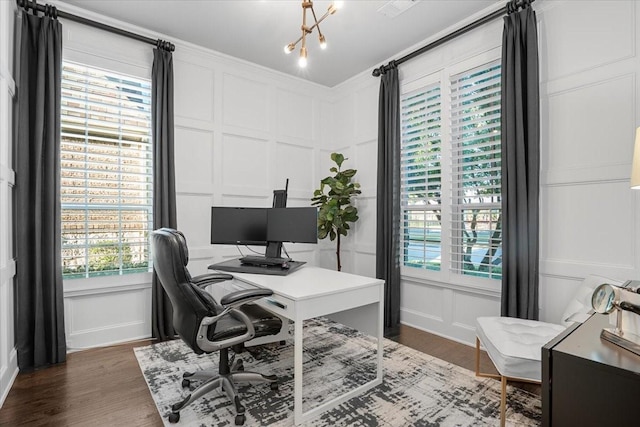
(335, 208)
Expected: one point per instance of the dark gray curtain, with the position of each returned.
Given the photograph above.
(40, 337)
(388, 195)
(520, 163)
(164, 190)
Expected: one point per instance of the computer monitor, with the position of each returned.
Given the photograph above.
(296, 225)
(238, 225)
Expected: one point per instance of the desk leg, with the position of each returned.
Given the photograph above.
(380, 335)
(297, 372)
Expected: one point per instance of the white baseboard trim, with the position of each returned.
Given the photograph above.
(460, 336)
(109, 344)
(107, 335)
(8, 375)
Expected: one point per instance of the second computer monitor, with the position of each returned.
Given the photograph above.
(296, 225)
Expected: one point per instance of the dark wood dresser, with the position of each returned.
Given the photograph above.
(587, 381)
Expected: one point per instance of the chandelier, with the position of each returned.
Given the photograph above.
(306, 5)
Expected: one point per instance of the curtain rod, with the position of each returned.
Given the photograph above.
(26, 4)
(460, 31)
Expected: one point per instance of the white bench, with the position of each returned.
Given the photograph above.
(515, 345)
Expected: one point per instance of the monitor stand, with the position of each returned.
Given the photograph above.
(266, 261)
(273, 252)
(235, 266)
(272, 262)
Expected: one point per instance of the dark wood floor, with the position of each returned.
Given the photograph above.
(104, 387)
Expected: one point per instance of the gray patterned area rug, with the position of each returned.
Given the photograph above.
(418, 390)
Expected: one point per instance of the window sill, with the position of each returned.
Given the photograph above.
(473, 285)
(106, 284)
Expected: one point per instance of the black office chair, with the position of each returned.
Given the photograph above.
(206, 325)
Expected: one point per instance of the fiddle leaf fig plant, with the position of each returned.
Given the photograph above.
(334, 201)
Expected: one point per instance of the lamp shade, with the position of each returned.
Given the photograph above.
(635, 168)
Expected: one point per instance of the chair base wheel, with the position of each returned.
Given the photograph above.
(240, 419)
(274, 386)
(186, 383)
(174, 417)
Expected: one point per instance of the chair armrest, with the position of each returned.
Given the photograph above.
(244, 296)
(230, 302)
(210, 278)
(236, 299)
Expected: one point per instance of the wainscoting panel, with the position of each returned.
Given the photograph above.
(246, 162)
(466, 307)
(578, 227)
(193, 158)
(194, 217)
(246, 103)
(365, 263)
(325, 115)
(366, 111)
(365, 228)
(199, 266)
(574, 39)
(105, 317)
(343, 121)
(424, 301)
(327, 256)
(555, 292)
(194, 93)
(367, 174)
(296, 163)
(295, 116)
(585, 110)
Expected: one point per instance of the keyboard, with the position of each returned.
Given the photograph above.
(262, 260)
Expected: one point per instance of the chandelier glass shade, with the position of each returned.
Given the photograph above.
(307, 5)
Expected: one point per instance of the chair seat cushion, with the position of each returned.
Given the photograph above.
(264, 323)
(515, 345)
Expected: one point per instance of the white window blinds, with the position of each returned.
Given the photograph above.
(106, 172)
(476, 231)
(421, 177)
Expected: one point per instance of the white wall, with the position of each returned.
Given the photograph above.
(589, 216)
(354, 134)
(8, 359)
(240, 131)
(589, 67)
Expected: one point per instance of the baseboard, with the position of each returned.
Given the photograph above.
(8, 375)
(109, 343)
(440, 334)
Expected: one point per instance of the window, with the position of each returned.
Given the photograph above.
(421, 177)
(106, 172)
(467, 144)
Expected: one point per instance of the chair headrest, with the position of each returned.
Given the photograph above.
(182, 243)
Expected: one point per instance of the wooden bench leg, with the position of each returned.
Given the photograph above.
(477, 357)
(503, 401)
(503, 380)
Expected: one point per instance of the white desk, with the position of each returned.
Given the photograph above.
(312, 292)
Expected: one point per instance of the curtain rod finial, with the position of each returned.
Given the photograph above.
(379, 71)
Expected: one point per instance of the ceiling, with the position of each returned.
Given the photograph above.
(358, 36)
